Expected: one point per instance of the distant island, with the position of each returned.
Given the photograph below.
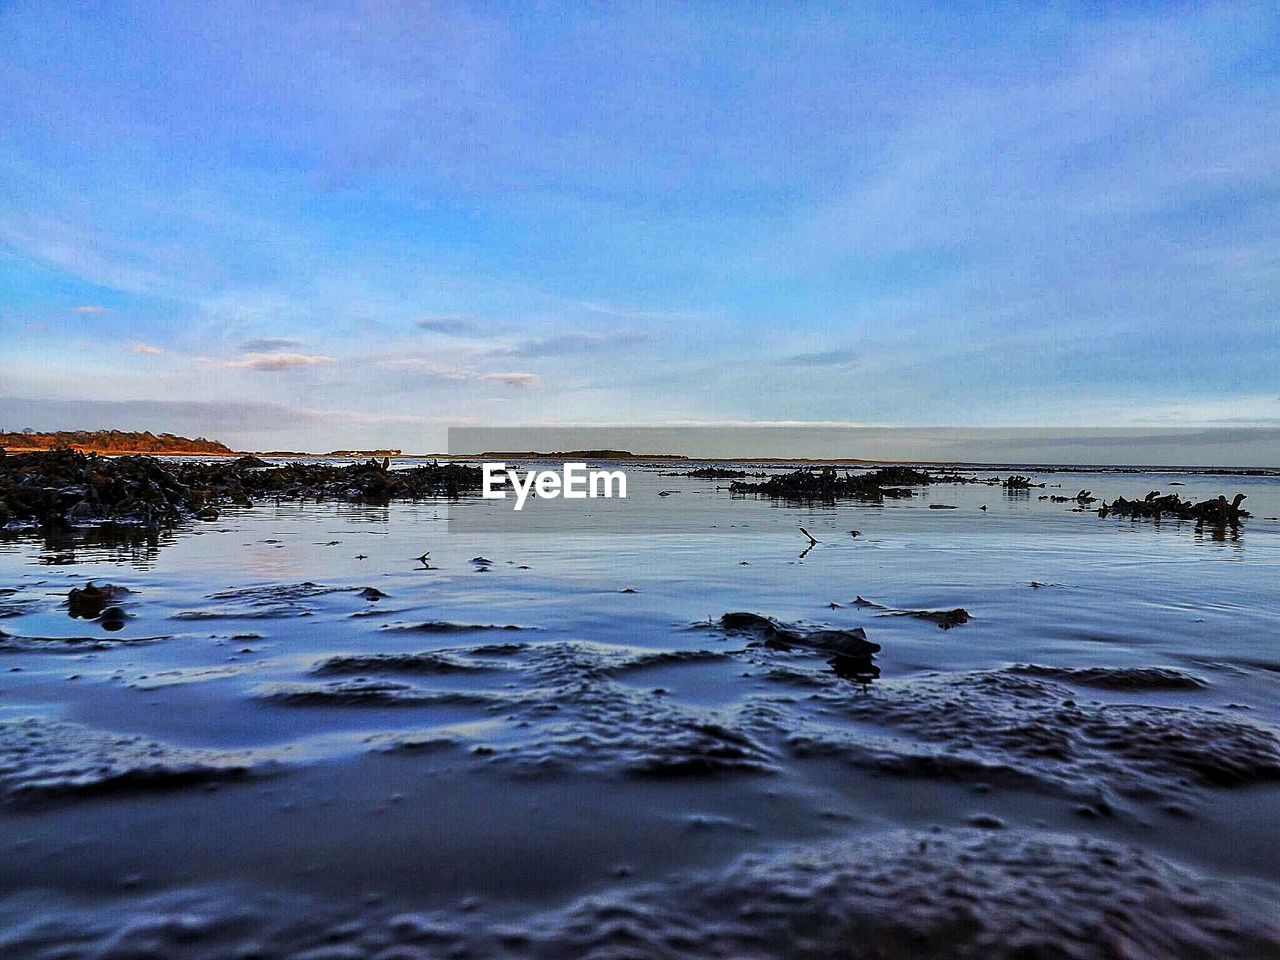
(581, 455)
(110, 441)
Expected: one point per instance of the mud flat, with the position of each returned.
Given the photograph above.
(295, 738)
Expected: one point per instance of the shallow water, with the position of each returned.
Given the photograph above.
(505, 749)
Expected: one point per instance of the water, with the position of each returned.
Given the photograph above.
(241, 748)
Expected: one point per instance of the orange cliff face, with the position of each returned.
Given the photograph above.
(111, 441)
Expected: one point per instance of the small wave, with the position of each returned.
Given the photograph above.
(426, 663)
(1116, 678)
(369, 693)
(42, 760)
(448, 626)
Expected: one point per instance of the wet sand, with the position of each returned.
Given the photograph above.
(304, 742)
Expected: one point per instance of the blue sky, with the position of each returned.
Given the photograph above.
(321, 224)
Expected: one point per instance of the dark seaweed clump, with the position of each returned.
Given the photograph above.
(826, 483)
(64, 488)
(784, 636)
(945, 619)
(850, 654)
(1219, 510)
(716, 473)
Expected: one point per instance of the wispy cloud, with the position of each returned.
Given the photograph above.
(425, 367)
(433, 370)
(452, 326)
(982, 220)
(269, 345)
(275, 362)
(821, 358)
(146, 349)
(514, 378)
(564, 343)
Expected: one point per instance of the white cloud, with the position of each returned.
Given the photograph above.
(428, 368)
(146, 349)
(89, 308)
(277, 361)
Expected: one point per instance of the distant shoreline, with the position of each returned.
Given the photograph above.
(673, 459)
(102, 452)
(111, 442)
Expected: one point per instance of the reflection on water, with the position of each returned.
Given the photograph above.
(117, 545)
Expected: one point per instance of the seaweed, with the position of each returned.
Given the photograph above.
(827, 484)
(1218, 511)
(65, 489)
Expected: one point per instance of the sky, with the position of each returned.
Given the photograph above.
(322, 225)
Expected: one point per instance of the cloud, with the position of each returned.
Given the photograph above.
(822, 358)
(147, 349)
(87, 309)
(514, 378)
(563, 343)
(451, 326)
(1008, 211)
(277, 361)
(269, 345)
(646, 316)
(428, 368)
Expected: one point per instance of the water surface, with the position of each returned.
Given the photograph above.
(525, 720)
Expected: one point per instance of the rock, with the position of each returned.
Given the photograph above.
(90, 602)
(113, 618)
